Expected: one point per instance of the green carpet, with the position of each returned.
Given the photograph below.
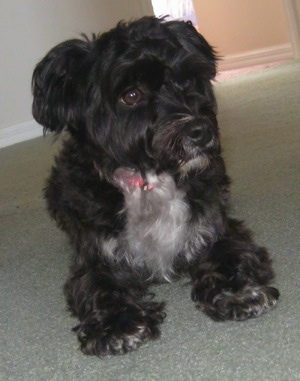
(259, 116)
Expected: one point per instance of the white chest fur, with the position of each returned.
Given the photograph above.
(156, 225)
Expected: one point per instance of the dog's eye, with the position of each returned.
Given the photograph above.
(132, 97)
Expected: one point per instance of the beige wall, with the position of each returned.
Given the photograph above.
(238, 26)
(29, 28)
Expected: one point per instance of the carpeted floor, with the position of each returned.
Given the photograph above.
(259, 116)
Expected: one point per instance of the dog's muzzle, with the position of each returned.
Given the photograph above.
(199, 133)
(187, 133)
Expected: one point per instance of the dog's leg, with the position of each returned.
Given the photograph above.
(232, 282)
(113, 319)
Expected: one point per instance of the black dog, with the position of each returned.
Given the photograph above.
(140, 186)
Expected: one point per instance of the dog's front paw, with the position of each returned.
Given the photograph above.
(120, 329)
(249, 302)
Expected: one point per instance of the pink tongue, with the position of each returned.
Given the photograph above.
(128, 178)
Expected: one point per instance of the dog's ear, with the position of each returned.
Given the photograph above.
(58, 84)
(193, 42)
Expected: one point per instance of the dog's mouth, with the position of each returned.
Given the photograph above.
(199, 163)
(190, 149)
(128, 180)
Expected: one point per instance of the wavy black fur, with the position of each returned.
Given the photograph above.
(140, 185)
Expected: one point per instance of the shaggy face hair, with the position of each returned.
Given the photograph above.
(140, 186)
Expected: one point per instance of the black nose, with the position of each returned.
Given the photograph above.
(200, 135)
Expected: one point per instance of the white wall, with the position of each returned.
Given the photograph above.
(29, 28)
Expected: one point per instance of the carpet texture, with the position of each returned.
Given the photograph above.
(259, 116)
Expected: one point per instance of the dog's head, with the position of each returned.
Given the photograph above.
(139, 96)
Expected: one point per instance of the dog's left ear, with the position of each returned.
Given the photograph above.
(193, 42)
(58, 85)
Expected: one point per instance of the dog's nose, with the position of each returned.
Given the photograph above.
(199, 134)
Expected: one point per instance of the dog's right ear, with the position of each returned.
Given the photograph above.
(58, 84)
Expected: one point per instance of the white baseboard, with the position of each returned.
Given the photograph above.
(19, 133)
(257, 57)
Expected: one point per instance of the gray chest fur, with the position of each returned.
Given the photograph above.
(158, 228)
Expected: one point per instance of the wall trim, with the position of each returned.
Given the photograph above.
(19, 133)
(292, 9)
(257, 57)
